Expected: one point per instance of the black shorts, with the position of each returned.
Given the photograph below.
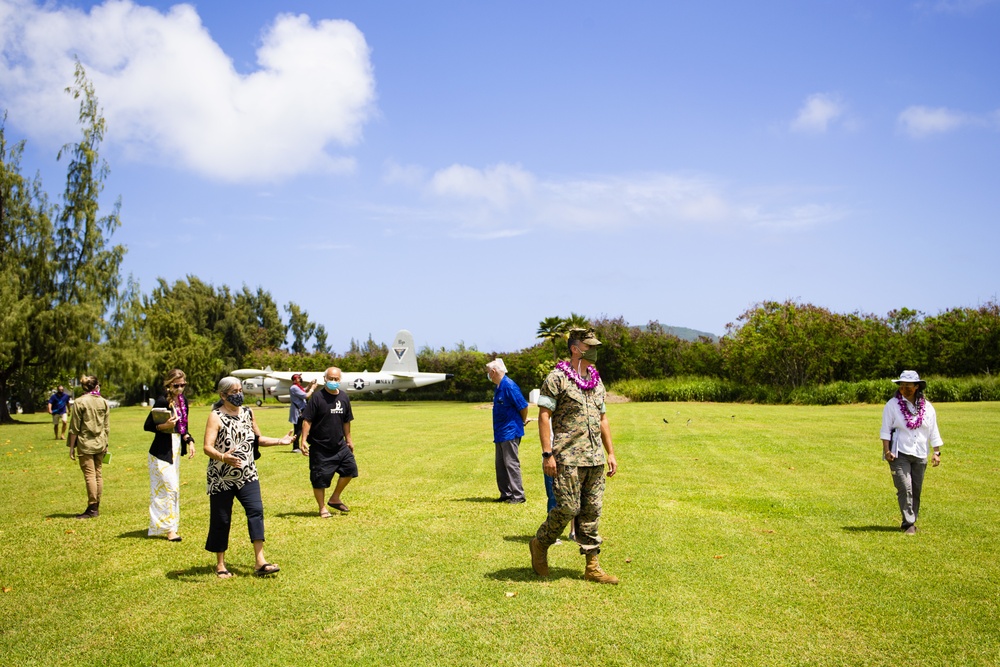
(324, 464)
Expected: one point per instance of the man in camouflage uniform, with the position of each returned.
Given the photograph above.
(576, 443)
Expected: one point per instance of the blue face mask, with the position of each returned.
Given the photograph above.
(332, 385)
(235, 399)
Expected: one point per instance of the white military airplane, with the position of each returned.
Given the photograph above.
(399, 372)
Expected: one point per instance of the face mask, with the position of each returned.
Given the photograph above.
(332, 385)
(590, 355)
(235, 399)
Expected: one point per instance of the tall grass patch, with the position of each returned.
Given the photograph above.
(709, 389)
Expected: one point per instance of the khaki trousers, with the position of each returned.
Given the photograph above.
(90, 464)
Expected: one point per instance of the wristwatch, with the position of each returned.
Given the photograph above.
(547, 455)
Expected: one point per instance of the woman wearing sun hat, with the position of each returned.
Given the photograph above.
(909, 427)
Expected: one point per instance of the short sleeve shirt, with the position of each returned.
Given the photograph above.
(59, 402)
(507, 405)
(576, 420)
(327, 413)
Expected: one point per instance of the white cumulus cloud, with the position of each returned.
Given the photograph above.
(171, 95)
(817, 113)
(507, 200)
(502, 185)
(919, 121)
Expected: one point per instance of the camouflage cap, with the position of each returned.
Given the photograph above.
(584, 336)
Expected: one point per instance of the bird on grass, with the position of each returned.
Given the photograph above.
(665, 421)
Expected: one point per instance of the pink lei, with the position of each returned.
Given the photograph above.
(586, 385)
(912, 422)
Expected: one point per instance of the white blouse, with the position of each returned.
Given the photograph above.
(910, 441)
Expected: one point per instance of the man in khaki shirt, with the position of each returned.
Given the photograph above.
(88, 440)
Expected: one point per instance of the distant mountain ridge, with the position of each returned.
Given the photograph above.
(684, 333)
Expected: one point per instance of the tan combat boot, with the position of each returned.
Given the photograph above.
(539, 557)
(593, 572)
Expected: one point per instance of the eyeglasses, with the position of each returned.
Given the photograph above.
(179, 385)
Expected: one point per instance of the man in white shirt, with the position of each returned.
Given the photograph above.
(909, 426)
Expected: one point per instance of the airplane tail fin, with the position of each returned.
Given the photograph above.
(402, 357)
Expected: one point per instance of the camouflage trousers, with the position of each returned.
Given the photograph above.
(579, 493)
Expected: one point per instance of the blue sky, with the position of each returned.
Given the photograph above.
(466, 169)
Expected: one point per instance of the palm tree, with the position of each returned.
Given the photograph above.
(575, 321)
(553, 329)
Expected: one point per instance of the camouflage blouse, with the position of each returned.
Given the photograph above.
(576, 420)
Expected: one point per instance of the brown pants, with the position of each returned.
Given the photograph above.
(90, 464)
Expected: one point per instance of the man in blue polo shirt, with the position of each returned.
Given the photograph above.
(510, 413)
(56, 406)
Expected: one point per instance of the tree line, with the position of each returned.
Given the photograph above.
(789, 345)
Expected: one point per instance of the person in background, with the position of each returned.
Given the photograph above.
(232, 475)
(510, 414)
(170, 442)
(326, 430)
(298, 396)
(89, 426)
(576, 443)
(550, 504)
(57, 406)
(909, 428)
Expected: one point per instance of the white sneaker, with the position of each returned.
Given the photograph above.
(558, 541)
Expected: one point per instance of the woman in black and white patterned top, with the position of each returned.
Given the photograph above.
(229, 440)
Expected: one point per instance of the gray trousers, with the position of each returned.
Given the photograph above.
(509, 470)
(908, 477)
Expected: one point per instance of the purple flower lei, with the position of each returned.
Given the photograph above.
(911, 421)
(586, 385)
(182, 414)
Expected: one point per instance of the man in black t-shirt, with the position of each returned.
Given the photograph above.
(326, 435)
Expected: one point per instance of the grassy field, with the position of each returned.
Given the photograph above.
(749, 535)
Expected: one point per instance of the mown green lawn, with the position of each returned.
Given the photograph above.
(753, 535)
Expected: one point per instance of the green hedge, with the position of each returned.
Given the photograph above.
(705, 389)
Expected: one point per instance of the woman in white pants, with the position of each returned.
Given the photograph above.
(171, 442)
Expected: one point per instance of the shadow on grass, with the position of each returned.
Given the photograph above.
(308, 515)
(871, 529)
(198, 574)
(528, 575)
(135, 534)
(16, 422)
(480, 499)
(62, 515)
(518, 538)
